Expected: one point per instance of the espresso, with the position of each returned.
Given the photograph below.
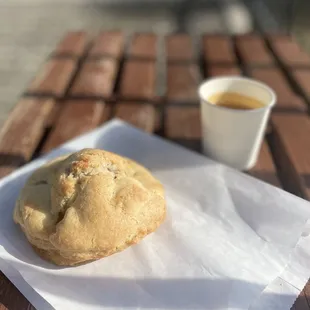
(235, 101)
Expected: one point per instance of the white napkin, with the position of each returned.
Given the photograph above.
(229, 240)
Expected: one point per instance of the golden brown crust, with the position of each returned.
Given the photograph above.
(88, 205)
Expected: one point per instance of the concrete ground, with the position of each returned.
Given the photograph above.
(29, 29)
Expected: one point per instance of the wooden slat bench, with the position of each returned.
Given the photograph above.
(151, 82)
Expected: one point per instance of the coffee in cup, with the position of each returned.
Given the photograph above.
(236, 101)
(234, 112)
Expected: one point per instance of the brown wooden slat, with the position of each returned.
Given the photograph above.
(182, 82)
(215, 70)
(159, 120)
(22, 132)
(96, 79)
(77, 117)
(138, 80)
(10, 297)
(291, 148)
(50, 121)
(183, 122)
(301, 302)
(53, 79)
(143, 46)
(265, 169)
(108, 44)
(73, 44)
(302, 78)
(179, 47)
(218, 49)
(287, 99)
(182, 125)
(106, 115)
(253, 50)
(139, 115)
(307, 292)
(288, 51)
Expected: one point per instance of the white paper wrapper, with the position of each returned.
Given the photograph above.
(229, 240)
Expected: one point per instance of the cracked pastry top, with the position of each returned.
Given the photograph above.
(88, 205)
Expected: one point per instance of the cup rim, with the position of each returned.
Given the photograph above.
(268, 89)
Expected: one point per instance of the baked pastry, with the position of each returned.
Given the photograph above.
(88, 205)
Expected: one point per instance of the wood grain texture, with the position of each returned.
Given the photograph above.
(95, 79)
(288, 51)
(143, 46)
(159, 120)
(138, 80)
(291, 149)
(183, 126)
(253, 50)
(53, 115)
(287, 99)
(77, 117)
(179, 47)
(182, 82)
(306, 291)
(109, 43)
(22, 132)
(183, 122)
(53, 78)
(73, 44)
(218, 49)
(10, 297)
(141, 116)
(301, 302)
(216, 70)
(106, 115)
(302, 77)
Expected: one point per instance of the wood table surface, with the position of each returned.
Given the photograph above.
(151, 82)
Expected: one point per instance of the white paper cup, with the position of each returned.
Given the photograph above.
(231, 136)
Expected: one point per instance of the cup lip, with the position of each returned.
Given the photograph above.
(272, 93)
